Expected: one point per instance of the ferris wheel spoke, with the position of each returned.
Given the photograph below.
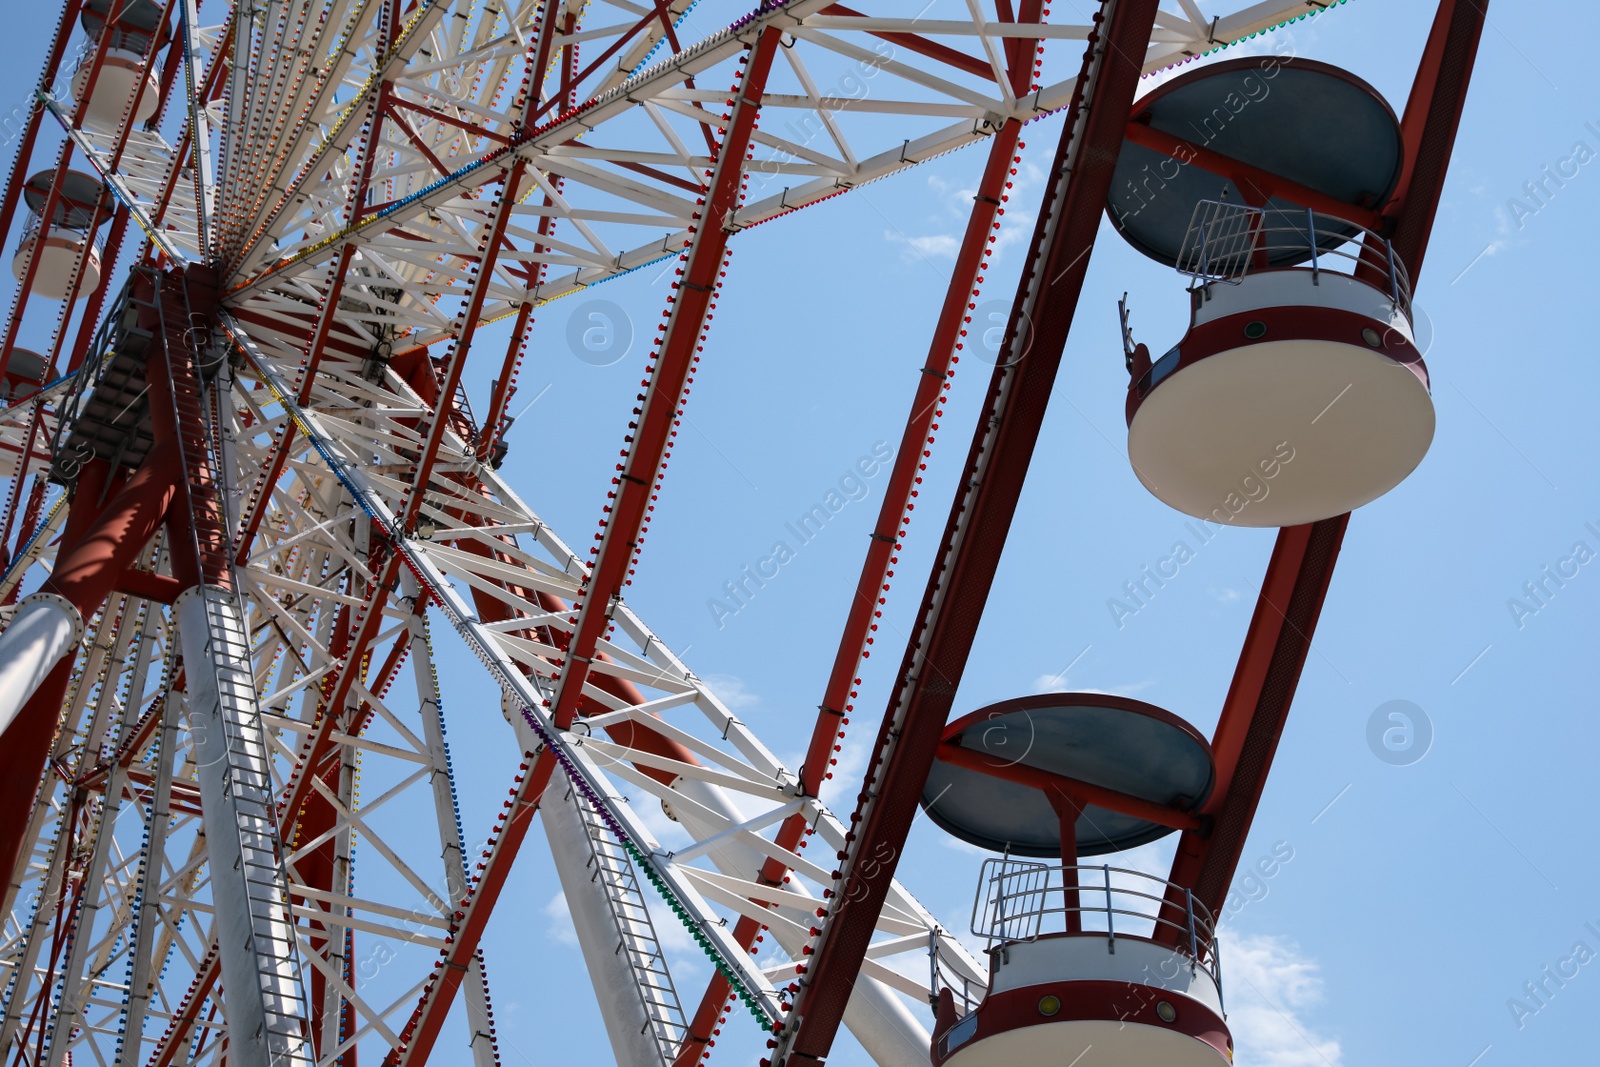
(436, 96)
(603, 172)
(117, 878)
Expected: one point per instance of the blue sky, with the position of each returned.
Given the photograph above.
(1420, 898)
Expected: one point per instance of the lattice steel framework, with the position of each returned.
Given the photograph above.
(340, 193)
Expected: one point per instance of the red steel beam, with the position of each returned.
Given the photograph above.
(435, 428)
(1303, 559)
(471, 918)
(1257, 705)
(505, 385)
(511, 828)
(942, 53)
(979, 521)
(905, 476)
(865, 606)
(321, 334)
(1428, 128)
(1260, 184)
(674, 361)
(104, 540)
(957, 755)
(317, 746)
(174, 1039)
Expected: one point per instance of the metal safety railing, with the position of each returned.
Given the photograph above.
(1021, 901)
(944, 973)
(35, 222)
(125, 40)
(1226, 242)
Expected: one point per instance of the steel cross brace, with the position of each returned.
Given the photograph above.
(979, 521)
(320, 334)
(531, 698)
(436, 429)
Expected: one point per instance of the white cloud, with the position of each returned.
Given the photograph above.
(1015, 226)
(1270, 987)
(933, 246)
(1057, 683)
(839, 793)
(731, 690)
(560, 916)
(1225, 595)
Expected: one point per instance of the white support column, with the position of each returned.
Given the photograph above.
(265, 1002)
(43, 629)
(610, 969)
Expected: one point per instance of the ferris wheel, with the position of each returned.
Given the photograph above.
(247, 490)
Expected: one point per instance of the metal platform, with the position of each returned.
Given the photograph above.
(107, 413)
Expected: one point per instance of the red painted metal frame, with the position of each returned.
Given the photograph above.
(1275, 649)
(926, 405)
(107, 536)
(979, 522)
(318, 745)
(494, 424)
(639, 474)
(1429, 125)
(1260, 184)
(957, 755)
(1297, 578)
(941, 53)
(322, 331)
(423, 1028)
(1285, 619)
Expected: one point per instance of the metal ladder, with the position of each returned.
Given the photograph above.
(250, 785)
(636, 934)
(247, 774)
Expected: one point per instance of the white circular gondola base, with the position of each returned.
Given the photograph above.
(113, 88)
(1115, 1044)
(1281, 433)
(52, 278)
